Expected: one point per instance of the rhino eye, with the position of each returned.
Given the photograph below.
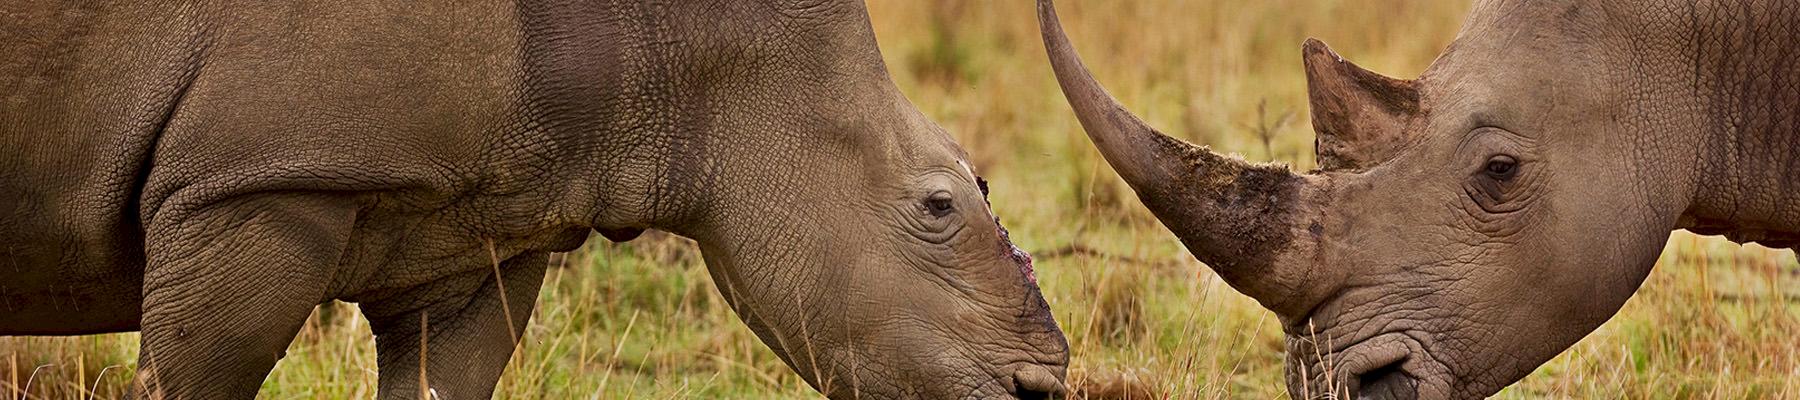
(1501, 168)
(939, 204)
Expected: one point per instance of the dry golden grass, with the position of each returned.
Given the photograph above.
(642, 320)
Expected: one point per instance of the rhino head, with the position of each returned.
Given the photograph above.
(1467, 226)
(843, 226)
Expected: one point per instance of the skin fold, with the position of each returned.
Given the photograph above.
(1469, 225)
(207, 171)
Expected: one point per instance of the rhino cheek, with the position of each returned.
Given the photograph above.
(1003, 316)
(1470, 328)
(1412, 302)
(936, 331)
(1384, 338)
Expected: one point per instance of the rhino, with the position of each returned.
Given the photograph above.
(207, 172)
(1464, 227)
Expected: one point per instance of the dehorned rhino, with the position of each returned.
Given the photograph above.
(206, 171)
(1467, 226)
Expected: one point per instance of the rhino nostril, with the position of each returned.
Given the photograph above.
(1389, 381)
(1380, 374)
(1375, 363)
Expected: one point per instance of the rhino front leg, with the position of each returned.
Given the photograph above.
(227, 287)
(467, 341)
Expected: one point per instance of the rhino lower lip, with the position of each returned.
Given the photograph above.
(1030, 380)
(1035, 382)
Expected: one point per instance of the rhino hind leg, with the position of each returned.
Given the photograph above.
(466, 345)
(228, 286)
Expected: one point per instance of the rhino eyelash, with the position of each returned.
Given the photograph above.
(939, 207)
(938, 204)
(1501, 168)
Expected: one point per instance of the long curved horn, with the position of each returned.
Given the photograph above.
(1234, 216)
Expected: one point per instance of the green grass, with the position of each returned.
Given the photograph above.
(642, 320)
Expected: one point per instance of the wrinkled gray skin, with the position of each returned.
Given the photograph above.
(1467, 226)
(208, 171)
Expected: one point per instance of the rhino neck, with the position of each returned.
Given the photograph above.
(1744, 72)
(654, 106)
(588, 115)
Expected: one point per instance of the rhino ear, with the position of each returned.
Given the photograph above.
(1360, 116)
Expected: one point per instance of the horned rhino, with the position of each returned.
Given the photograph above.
(1467, 226)
(207, 171)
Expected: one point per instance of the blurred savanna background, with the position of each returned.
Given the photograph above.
(1145, 321)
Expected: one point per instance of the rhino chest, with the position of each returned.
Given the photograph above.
(396, 252)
